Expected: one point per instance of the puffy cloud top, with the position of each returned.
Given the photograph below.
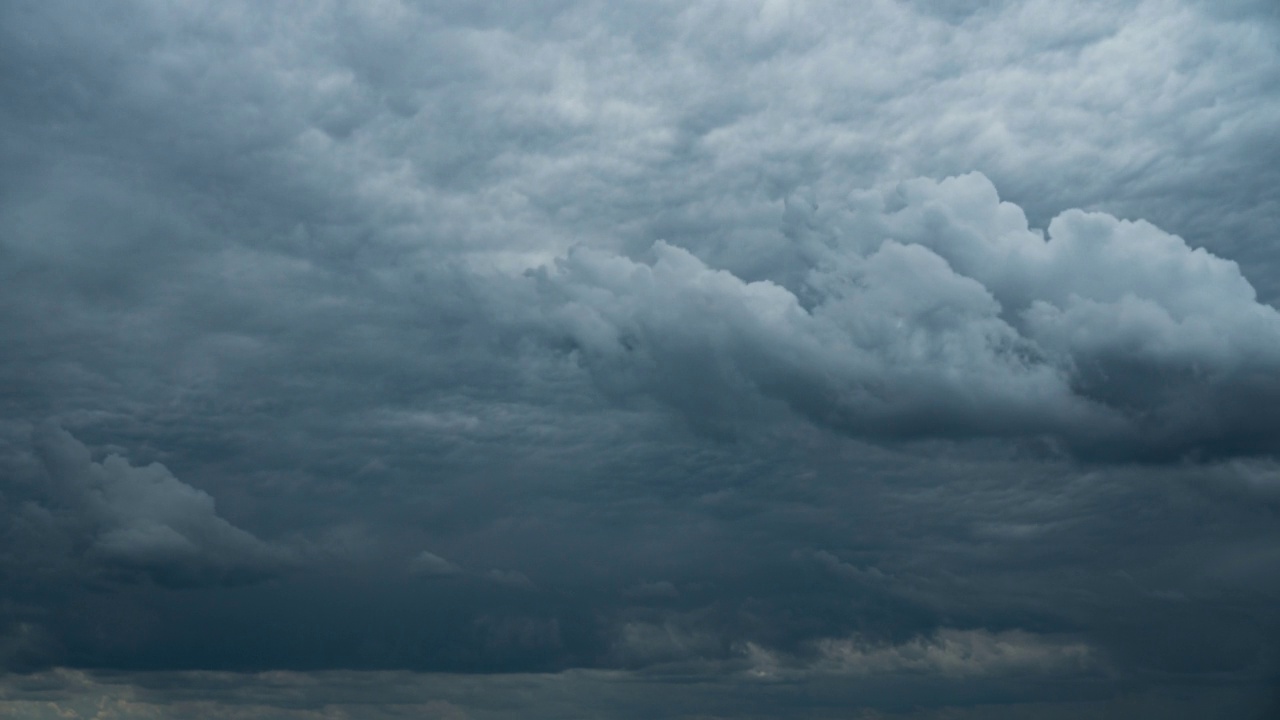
(932, 309)
(144, 520)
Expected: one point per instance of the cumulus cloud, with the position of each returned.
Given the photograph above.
(144, 521)
(933, 310)
(288, 247)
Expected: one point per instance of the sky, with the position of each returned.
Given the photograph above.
(888, 360)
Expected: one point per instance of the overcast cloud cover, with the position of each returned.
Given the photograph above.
(569, 359)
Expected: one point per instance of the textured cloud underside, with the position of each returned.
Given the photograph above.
(932, 310)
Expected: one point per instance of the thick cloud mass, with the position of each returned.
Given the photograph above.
(642, 358)
(932, 309)
(143, 520)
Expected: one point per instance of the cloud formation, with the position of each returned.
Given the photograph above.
(142, 521)
(932, 310)
(419, 292)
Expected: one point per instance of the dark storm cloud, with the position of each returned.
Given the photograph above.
(932, 310)
(427, 296)
(142, 519)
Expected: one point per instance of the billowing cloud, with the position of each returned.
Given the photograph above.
(932, 310)
(420, 292)
(144, 521)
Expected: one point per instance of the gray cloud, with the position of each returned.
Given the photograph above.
(933, 310)
(426, 563)
(595, 694)
(427, 296)
(143, 520)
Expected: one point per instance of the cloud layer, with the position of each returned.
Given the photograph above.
(639, 359)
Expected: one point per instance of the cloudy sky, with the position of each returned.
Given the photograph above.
(891, 359)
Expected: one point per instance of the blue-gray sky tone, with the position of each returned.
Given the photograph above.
(640, 359)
